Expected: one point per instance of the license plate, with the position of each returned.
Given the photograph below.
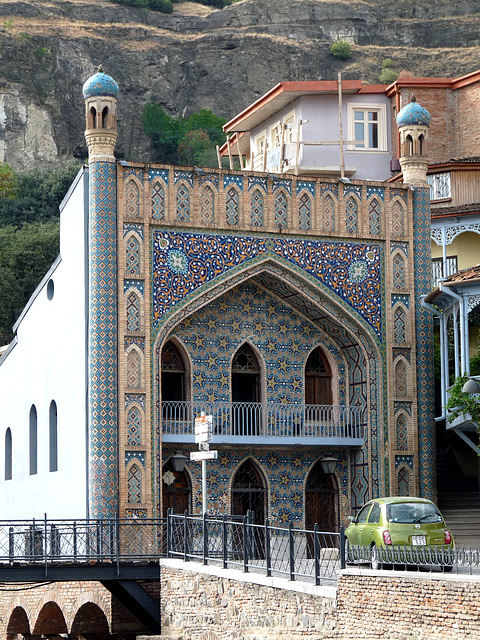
(418, 541)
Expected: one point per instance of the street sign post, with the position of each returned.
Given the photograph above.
(203, 435)
(203, 455)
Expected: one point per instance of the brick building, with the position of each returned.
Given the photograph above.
(286, 307)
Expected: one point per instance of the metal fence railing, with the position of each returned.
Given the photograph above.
(61, 541)
(459, 560)
(275, 551)
(226, 541)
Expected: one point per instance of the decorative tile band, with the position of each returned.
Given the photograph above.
(135, 455)
(137, 228)
(402, 406)
(376, 191)
(408, 460)
(138, 398)
(306, 184)
(103, 341)
(158, 173)
(255, 181)
(236, 180)
(402, 246)
(183, 175)
(402, 299)
(184, 262)
(209, 177)
(135, 284)
(140, 342)
(133, 171)
(284, 184)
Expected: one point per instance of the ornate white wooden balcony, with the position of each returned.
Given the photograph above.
(269, 423)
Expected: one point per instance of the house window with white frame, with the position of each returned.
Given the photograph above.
(290, 128)
(367, 127)
(439, 184)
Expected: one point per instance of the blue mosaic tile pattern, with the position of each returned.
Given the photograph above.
(352, 271)
(400, 193)
(424, 337)
(286, 471)
(408, 460)
(135, 455)
(138, 398)
(376, 191)
(402, 246)
(255, 181)
(103, 341)
(183, 175)
(140, 342)
(136, 228)
(158, 173)
(281, 337)
(236, 180)
(133, 284)
(306, 184)
(331, 187)
(283, 184)
(402, 299)
(402, 406)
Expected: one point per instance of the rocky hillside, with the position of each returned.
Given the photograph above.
(201, 58)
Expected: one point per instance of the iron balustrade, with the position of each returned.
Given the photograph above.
(275, 551)
(271, 419)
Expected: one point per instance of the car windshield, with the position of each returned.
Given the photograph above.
(413, 512)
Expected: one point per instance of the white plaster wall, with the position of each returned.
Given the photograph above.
(49, 363)
(321, 112)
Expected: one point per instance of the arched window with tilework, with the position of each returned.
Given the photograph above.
(133, 312)
(132, 268)
(305, 210)
(403, 482)
(132, 199)
(134, 484)
(256, 208)
(134, 427)
(398, 266)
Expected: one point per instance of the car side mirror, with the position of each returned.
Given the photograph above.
(351, 518)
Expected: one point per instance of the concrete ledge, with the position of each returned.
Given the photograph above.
(252, 578)
(407, 575)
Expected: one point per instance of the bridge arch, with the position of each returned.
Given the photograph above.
(18, 623)
(91, 620)
(50, 620)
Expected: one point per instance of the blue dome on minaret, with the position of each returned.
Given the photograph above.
(413, 113)
(100, 84)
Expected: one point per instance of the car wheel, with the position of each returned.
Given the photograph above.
(374, 558)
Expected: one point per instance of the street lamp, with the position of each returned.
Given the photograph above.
(329, 464)
(471, 386)
(178, 462)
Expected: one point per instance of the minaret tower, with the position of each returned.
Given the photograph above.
(101, 93)
(413, 124)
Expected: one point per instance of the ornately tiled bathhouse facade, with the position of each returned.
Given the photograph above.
(212, 260)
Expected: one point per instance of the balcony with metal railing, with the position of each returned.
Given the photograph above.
(269, 423)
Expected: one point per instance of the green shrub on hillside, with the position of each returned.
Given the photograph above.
(341, 50)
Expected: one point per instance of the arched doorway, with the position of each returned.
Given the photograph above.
(249, 495)
(318, 379)
(249, 492)
(177, 491)
(173, 383)
(246, 392)
(321, 500)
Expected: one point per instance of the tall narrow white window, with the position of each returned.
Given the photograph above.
(53, 445)
(33, 441)
(8, 454)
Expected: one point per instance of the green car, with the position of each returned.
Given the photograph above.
(390, 529)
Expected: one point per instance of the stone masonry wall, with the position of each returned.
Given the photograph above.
(201, 606)
(202, 602)
(396, 606)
